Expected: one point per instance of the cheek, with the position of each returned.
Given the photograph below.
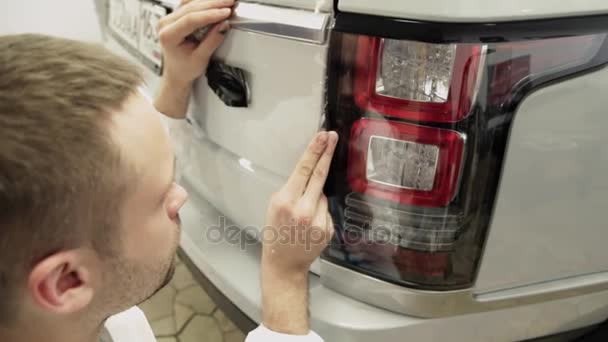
(155, 239)
(164, 230)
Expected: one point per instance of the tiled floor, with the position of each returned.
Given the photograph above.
(182, 312)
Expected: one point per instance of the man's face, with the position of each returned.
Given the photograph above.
(149, 234)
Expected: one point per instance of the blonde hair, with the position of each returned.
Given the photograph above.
(61, 176)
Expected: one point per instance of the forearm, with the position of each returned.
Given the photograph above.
(173, 98)
(285, 301)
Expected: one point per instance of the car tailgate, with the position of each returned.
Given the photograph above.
(242, 154)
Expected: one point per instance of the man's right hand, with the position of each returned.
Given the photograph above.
(298, 228)
(184, 60)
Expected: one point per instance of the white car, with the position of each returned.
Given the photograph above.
(470, 186)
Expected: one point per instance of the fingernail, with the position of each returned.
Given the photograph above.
(322, 138)
(333, 136)
(225, 11)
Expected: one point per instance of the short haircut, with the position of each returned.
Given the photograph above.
(62, 178)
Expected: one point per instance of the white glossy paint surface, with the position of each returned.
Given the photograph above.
(287, 80)
(550, 216)
(474, 10)
(320, 5)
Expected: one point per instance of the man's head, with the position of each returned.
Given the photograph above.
(88, 206)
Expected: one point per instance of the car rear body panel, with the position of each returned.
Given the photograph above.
(286, 78)
(244, 154)
(550, 217)
(547, 224)
(474, 10)
(311, 5)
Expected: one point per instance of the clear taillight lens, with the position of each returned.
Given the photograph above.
(404, 163)
(424, 128)
(415, 71)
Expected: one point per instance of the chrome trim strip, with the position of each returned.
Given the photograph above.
(282, 22)
(435, 304)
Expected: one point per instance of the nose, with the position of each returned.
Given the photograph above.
(179, 197)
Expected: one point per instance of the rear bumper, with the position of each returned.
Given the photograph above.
(233, 268)
(246, 324)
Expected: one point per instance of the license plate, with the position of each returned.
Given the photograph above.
(124, 20)
(149, 45)
(133, 23)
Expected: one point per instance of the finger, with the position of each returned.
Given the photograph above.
(175, 33)
(212, 41)
(330, 225)
(323, 220)
(202, 5)
(192, 6)
(301, 174)
(314, 189)
(329, 221)
(321, 213)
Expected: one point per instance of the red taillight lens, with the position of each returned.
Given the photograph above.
(429, 264)
(404, 163)
(416, 81)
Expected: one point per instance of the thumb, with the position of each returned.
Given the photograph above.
(213, 40)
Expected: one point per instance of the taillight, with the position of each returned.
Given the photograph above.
(404, 163)
(423, 129)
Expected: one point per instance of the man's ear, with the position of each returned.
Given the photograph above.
(62, 283)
